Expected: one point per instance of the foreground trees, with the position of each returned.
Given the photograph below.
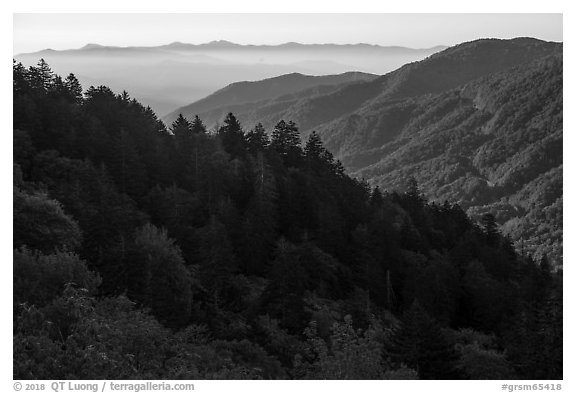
(146, 252)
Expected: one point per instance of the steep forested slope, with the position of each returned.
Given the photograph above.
(147, 253)
(438, 73)
(493, 145)
(479, 124)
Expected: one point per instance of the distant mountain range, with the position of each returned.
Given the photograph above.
(479, 124)
(223, 44)
(169, 76)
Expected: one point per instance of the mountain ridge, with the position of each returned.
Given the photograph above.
(170, 76)
(464, 122)
(218, 44)
(407, 81)
(254, 92)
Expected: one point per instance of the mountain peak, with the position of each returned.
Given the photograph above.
(221, 44)
(92, 46)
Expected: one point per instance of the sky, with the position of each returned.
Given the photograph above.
(33, 32)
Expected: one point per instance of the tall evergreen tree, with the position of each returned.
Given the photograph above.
(232, 136)
(490, 227)
(286, 142)
(42, 76)
(181, 128)
(74, 88)
(314, 148)
(257, 139)
(197, 126)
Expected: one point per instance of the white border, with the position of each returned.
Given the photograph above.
(302, 6)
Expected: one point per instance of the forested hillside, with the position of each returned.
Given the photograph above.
(246, 96)
(493, 145)
(148, 252)
(479, 124)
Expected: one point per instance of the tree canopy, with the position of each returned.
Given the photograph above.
(142, 251)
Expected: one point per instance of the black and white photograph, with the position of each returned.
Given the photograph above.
(287, 196)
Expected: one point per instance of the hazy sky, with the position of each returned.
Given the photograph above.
(34, 32)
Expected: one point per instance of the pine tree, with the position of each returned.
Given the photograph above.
(197, 126)
(185, 160)
(181, 128)
(316, 154)
(285, 137)
(490, 228)
(74, 88)
(232, 136)
(257, 139)
(286, 142)
(19, 79)
(44, 74)
(57, 88)
(314, 148)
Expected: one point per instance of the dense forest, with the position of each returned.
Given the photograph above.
(478, 124)
(493, 145)
(152, 252)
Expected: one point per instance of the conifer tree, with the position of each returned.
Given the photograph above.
(181, 128)
(314, 148)
(316, 155)
(43, 75)
(119, 175)
(232, 136)
(197, 126)
(285, 137)
(19, 78)
(490, 227)
(74, 88)
(257, 139)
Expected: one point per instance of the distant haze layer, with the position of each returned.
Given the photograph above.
(169, 76)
